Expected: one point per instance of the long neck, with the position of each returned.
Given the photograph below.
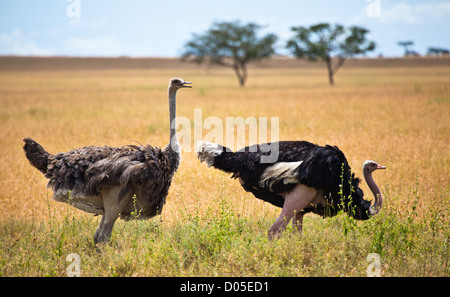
(174, 144)
(375, 190)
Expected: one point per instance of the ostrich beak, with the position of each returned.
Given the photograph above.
(183, 85)
(381, 167)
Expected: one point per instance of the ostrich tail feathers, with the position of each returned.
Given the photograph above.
(36, 154)
(206, 152)
(219, 157)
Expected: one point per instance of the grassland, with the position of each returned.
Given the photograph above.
(398, 116)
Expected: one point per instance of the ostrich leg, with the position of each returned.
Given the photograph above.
(108, 224)
(112, 213)
(99, 230)
(297, 222)
(300, 197)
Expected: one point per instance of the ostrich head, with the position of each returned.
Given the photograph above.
(178, 83)
(370, 166)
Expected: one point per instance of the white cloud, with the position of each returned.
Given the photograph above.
(424, 23)
(93, 24)
(403, 13)
(99, 46)
(400, 13)
(17, 43)
(413, 14)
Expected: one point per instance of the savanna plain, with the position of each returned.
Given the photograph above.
(398, 116)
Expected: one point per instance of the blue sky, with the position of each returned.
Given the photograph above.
(144, 28)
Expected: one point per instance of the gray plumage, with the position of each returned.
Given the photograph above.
(86, 171)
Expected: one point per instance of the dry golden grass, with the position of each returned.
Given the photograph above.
(397, 116)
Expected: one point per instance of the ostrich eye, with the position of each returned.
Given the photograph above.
(176, 81)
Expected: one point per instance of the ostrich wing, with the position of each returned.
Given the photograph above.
(132, 164)
(246, 165)
(145, 170)
(66, 171)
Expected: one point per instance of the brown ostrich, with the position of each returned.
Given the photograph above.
(115, 182)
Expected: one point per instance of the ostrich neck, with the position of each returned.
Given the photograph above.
(174, 144)
(374, 188)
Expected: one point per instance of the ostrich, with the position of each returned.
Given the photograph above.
(127, 182)
(306, 178)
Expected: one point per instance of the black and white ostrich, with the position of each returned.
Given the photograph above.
(113, 181)
(306, 178)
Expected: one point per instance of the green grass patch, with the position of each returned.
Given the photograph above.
(228, 244)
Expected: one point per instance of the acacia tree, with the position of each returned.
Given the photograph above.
(230, 44)
(323, 41)
(438, 51)
(406, 45)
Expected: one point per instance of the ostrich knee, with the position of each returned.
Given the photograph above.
(295, 201)
(112, 213)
